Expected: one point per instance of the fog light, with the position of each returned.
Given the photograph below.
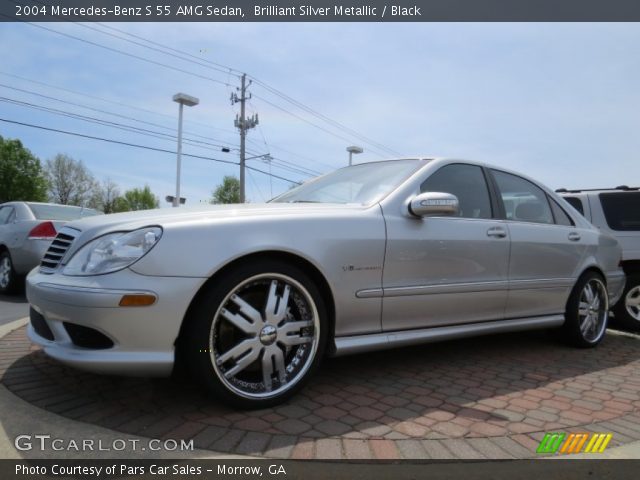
(137, 300)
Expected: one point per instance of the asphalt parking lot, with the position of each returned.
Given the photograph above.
(13, 307)
(490, 397)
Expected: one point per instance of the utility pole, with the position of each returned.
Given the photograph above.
(243, 124)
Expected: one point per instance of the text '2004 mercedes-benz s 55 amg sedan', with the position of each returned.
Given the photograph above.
(368, 257)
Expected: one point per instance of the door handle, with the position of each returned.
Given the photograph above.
(497, 232)
(574, 236)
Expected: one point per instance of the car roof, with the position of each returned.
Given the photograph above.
(620, 188)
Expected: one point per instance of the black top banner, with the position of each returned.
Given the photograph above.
(320, 11)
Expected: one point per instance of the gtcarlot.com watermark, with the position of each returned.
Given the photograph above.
(43, 443)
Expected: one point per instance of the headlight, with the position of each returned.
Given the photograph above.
(112, 252)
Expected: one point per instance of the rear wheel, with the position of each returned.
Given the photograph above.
(627, 310)
(258, 334)
(9, 279)
(587, 311)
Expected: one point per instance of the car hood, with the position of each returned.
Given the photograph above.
(211, 213)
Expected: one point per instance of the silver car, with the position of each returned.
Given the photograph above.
(368, 257)
(26, 230)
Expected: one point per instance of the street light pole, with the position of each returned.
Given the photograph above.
(353, 149)
(182, 99)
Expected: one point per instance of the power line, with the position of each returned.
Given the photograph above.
(99, 121)
(130, 129)
(316, 114)
(146, 147)
(222, 70)
(225, 67)
(121, 104)
(289, 166)
(308, 121)
(126, 128)
(66, 102)
(377, 145)
(227, 70)
(137, 57)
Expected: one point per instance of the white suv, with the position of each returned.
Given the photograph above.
(617, 212)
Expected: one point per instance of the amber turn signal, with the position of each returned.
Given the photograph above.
(137, 300)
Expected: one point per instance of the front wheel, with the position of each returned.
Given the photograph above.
(627, 310)
(587, 312)
(258, 334)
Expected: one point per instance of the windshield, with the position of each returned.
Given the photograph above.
(362, 184)
(60, 212)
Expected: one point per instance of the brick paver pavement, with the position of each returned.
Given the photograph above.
(491, 397)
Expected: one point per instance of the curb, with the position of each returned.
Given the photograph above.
(18, 417)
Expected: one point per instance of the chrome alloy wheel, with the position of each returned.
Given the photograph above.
(632, 302)
(264, 336)
(5, 272)
(593, 310)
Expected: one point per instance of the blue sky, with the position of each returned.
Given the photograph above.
(559, 102)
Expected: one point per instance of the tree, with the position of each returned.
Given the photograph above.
(136, 199)
(21, 175)
(70, 182)
(227, 192)
(105, 196)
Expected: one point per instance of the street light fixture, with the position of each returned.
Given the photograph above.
(353, 149)
(183, 99)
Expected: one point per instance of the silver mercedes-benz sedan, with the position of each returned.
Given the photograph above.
(372, 256)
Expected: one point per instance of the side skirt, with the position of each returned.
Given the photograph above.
(380, 341)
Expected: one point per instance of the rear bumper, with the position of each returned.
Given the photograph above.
(143, 337)
(615, 286)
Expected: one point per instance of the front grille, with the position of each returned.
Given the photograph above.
(86, 337)
(58, 249)
(39, 324)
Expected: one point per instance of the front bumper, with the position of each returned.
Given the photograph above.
(143, 337)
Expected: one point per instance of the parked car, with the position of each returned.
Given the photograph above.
(617, 212)
(368, 257)
(26, 230)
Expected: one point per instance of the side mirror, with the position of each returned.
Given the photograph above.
(434, 204)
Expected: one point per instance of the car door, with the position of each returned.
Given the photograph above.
(546, 248)
(450, 269)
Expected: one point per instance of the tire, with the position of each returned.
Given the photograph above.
(245, 347)
(627, 310)
(587, 312)
(9, 279)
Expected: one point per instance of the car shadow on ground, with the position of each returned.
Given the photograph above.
(496, 385)
(17, 298)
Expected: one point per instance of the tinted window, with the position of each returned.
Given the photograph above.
(465, 182)
(523, 201)
(560, 215)
(4, 214)
(60, 212)
(622, 210)
(576, 203)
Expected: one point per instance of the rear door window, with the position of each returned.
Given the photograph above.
(622, 210)
(561, 217)
(5, 213)
(523, 201)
